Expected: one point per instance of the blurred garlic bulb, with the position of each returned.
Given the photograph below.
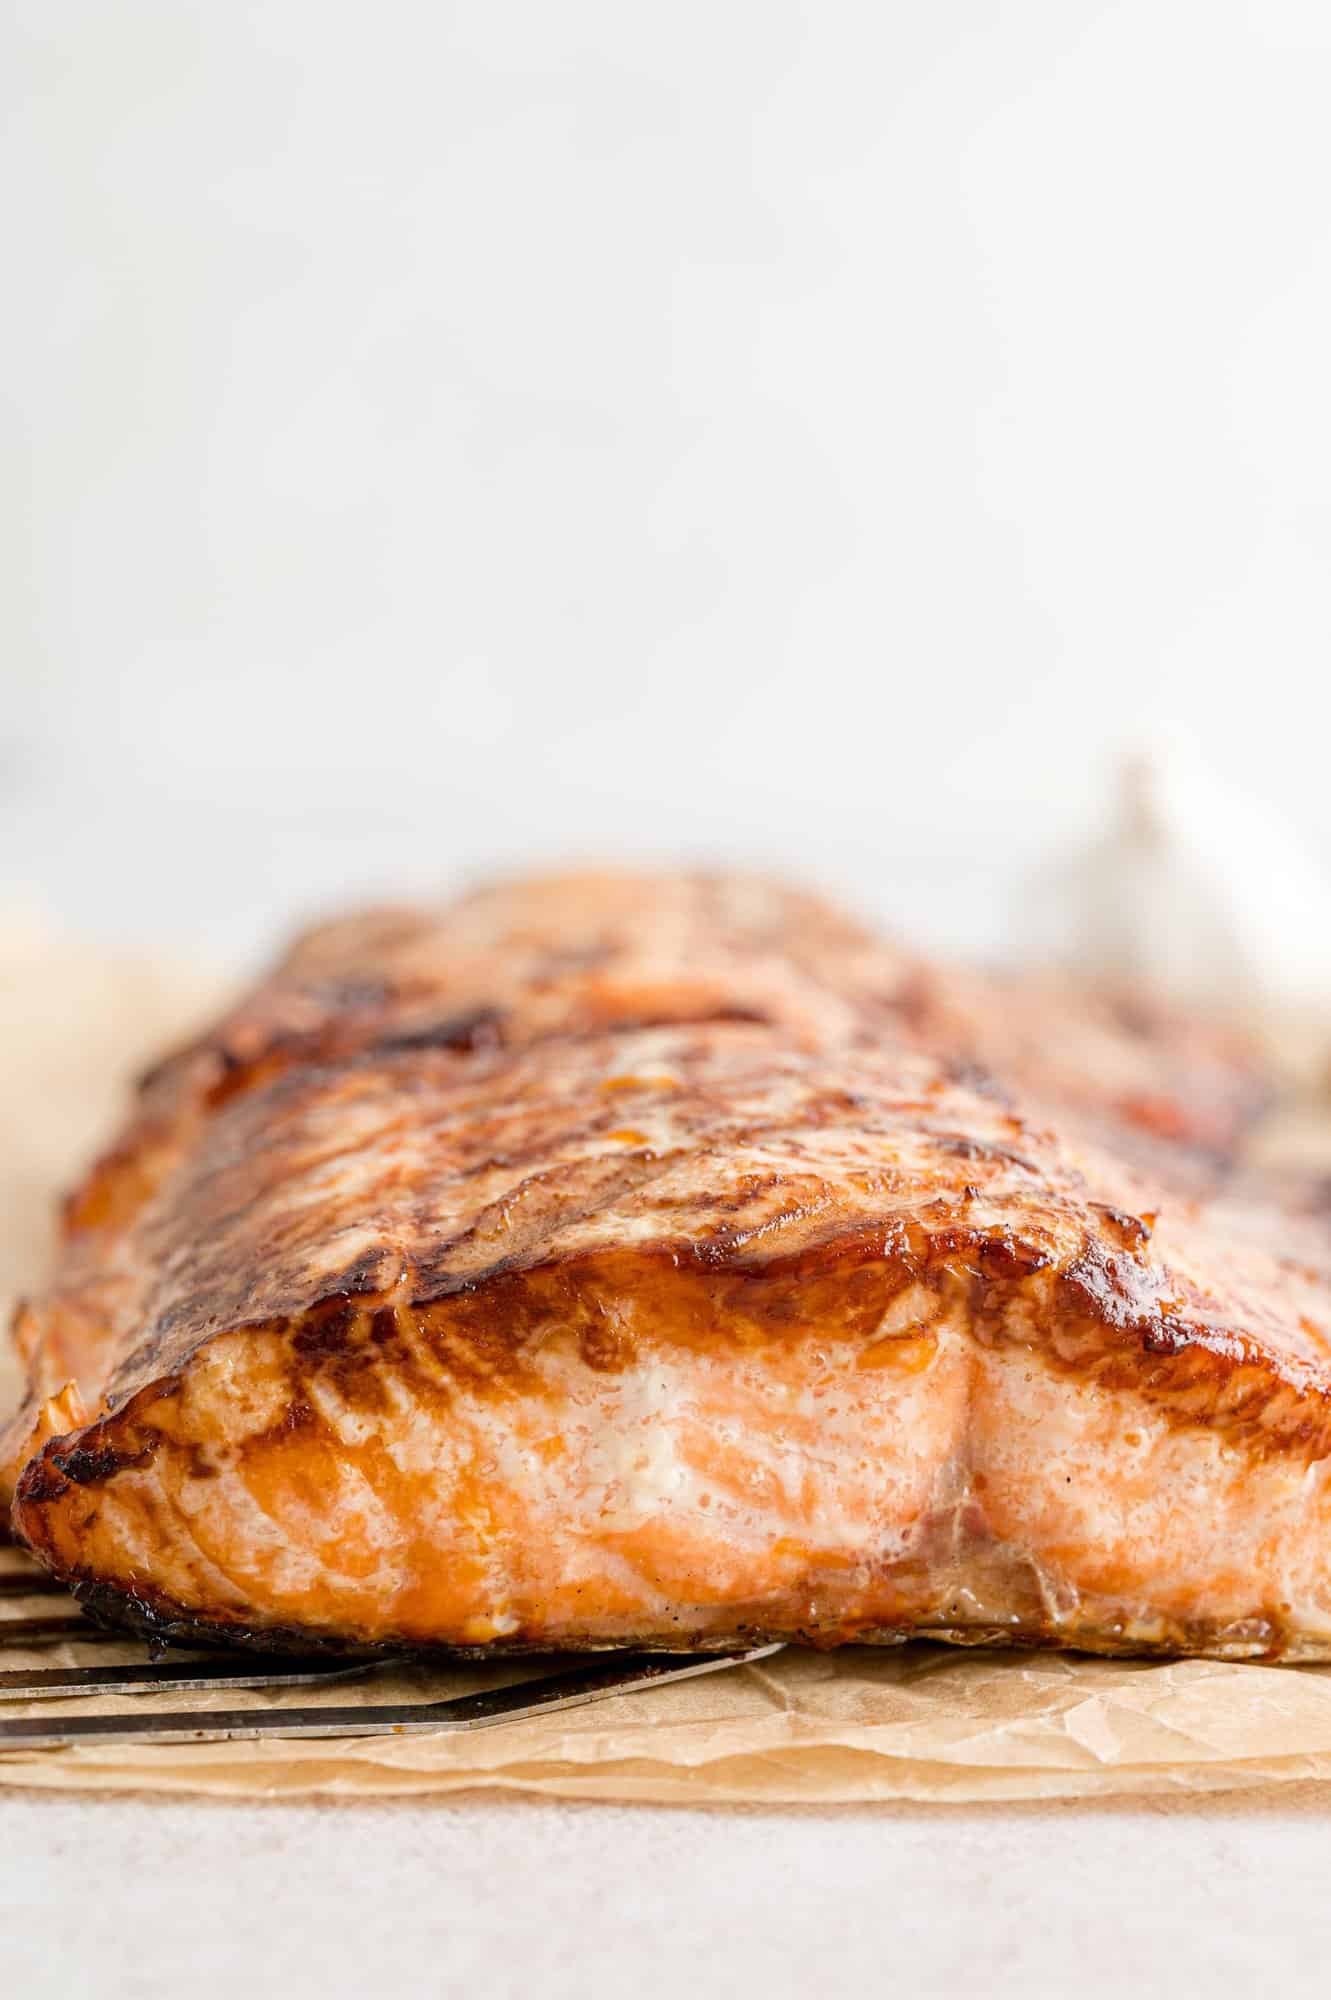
(1197, 892)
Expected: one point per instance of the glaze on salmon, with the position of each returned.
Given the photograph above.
(619, 1260)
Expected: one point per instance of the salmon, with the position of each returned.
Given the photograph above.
(614, 1260)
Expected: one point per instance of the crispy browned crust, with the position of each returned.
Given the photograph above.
(526, 961)
(462, 1180)
(507, 965)
(427, 1138)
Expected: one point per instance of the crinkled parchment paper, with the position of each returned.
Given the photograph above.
(920, 1722)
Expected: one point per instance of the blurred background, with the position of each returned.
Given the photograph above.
(440, 436)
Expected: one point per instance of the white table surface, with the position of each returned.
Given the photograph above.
(141, 1898)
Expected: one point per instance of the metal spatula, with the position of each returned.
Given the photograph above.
(621, 1673)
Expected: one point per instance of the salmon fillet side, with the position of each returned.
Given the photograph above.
(667, 1260)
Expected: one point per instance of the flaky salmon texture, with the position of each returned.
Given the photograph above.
(667, 1260)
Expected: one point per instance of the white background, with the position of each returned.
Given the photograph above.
(437, 434)
(446, 433)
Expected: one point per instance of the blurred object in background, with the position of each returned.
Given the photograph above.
(1199, 893)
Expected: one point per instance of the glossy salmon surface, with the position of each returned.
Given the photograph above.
(668, 1260)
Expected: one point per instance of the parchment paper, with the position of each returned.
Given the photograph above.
(916, 1722)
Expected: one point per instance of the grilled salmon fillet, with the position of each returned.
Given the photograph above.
(612, 1260)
